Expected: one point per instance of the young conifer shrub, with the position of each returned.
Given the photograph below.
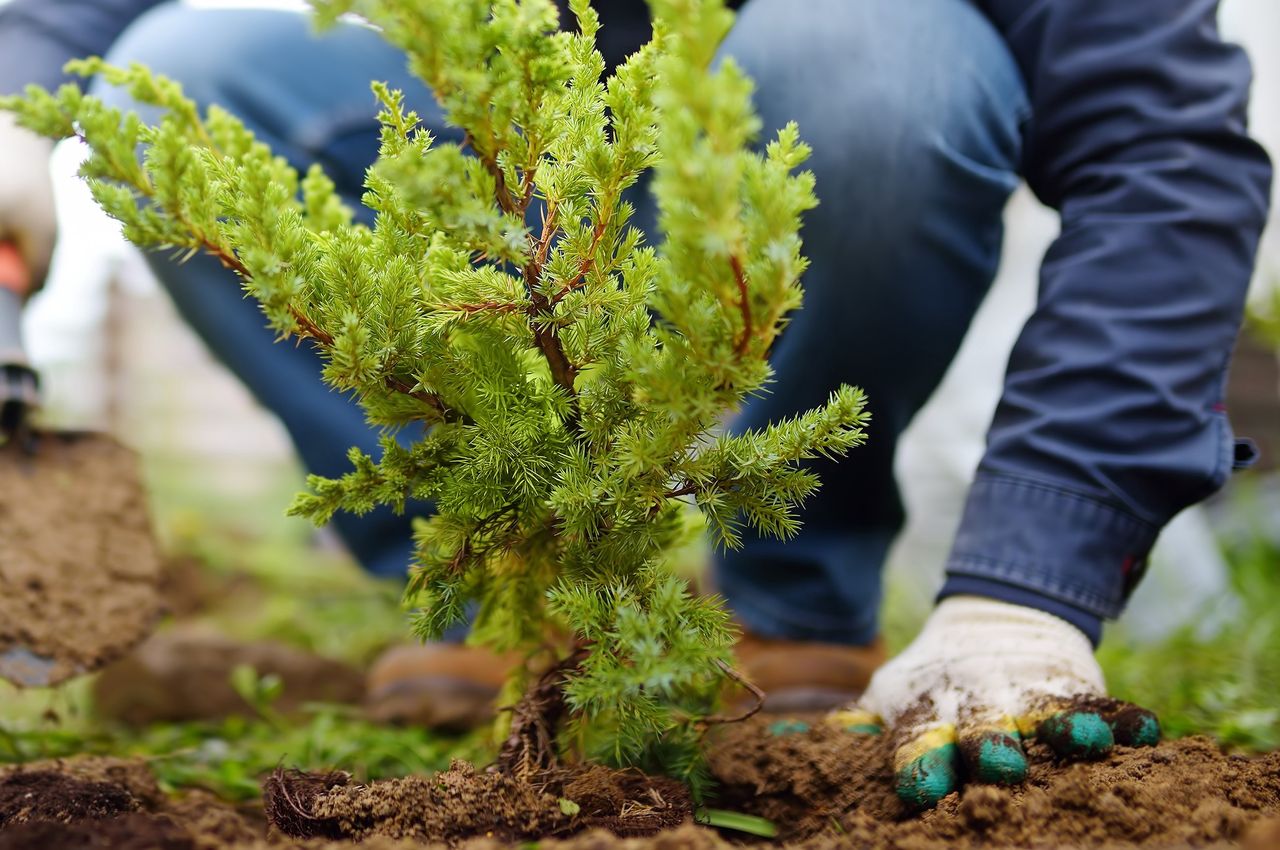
(561, 374)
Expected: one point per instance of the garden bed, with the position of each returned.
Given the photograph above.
(821, 787)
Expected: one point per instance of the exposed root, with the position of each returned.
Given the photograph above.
(289, 800)
(530, 749)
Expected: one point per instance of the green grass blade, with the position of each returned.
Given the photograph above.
(737, 821)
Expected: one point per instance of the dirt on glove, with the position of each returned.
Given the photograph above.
(823, 788)
(79, 567)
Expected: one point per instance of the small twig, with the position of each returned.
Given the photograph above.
(740, 276)
(500, 191)
(588, 261)
(686, 490)
(549, 230)
(469, 552)
(526, 187)
(690, 488)
(432, 400)
(715, 719)
(485, 307)
(310, 329)
(562, 371)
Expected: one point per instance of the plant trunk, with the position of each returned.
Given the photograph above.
(530, 749)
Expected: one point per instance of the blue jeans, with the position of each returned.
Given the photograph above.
(308, 97)
(914, 112)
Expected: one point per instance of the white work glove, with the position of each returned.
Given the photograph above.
(980, 677)
(26, 196)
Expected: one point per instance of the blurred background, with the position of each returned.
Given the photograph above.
(1201, 645)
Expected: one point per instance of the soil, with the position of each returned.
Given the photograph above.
(822, 787)
(78, 564)
(463, 802)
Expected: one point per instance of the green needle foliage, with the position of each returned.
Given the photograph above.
(560, 376)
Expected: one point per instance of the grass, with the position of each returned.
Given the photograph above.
(1227, 685)
(231, 757)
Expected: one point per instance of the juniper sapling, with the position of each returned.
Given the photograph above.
(562, 375)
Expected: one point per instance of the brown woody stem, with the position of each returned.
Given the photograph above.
(580, 279)
(759, 695)
(744, 303)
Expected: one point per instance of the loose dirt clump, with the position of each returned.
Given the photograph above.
(132, 775)
(464, 803)
(84, 805)
(214, 823)
(79, 567)
(626, 803)
(801, 774)
(49, 796)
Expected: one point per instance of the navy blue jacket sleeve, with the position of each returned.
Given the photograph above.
(37, 37)
(1112, 416)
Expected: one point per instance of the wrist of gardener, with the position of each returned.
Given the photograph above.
(1042, 545)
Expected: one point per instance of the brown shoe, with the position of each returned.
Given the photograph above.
(799, 676)
(437, 685)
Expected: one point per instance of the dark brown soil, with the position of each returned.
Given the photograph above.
(1184, 793)
(133, 831)
(462, 803)
(48, 795)
(822, 787)
(78, 564)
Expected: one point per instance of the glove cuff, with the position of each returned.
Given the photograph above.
(977, 612)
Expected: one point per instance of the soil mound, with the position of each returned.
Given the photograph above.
(50, 796)
(132, 775)
(463, 803)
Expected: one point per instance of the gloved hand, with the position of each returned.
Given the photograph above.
(26, 196)
(981, 676)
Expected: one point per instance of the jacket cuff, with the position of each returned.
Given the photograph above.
(1052, 548)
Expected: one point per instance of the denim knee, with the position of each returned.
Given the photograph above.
(305, 94)
(185, 44)
(906, 104)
